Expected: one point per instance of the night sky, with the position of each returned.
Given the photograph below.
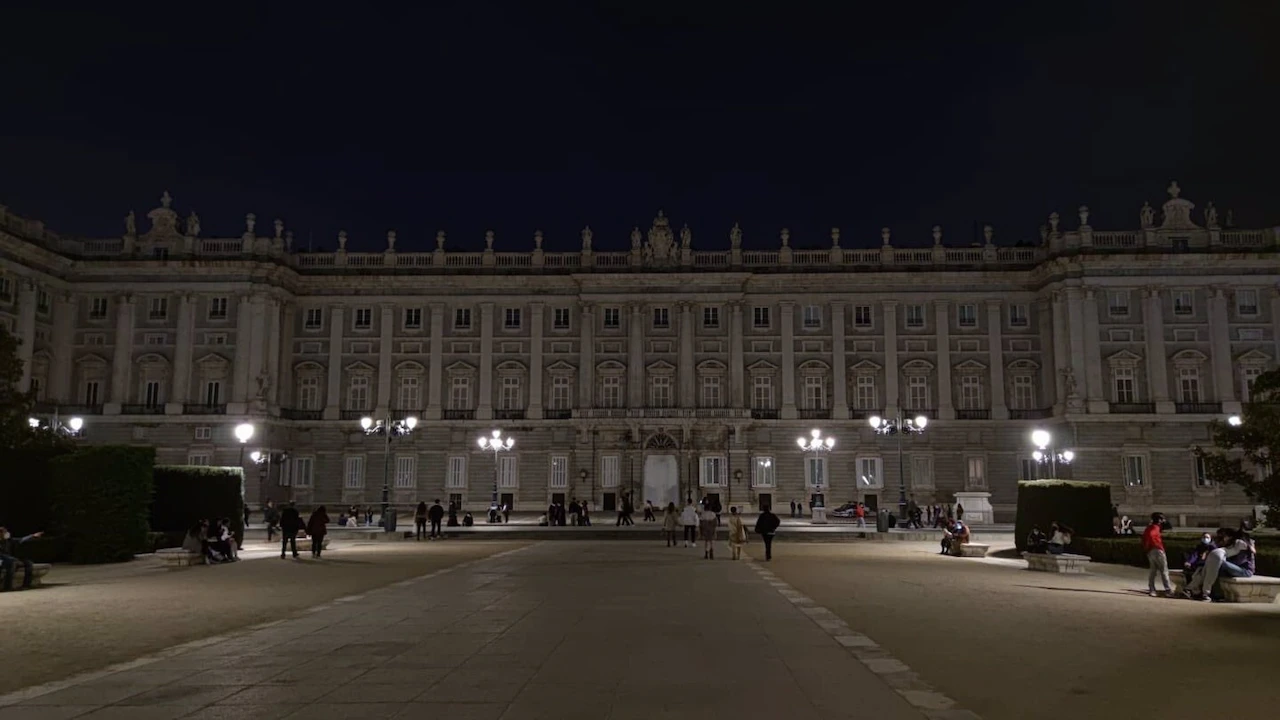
(516, 117)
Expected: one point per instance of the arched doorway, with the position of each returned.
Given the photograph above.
(661, 470)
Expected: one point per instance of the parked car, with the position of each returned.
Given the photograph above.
(846, 510)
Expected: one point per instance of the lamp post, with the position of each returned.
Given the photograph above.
(816, 444)
(71, 428)
(388, 429)
(495, 443)
(244, 433)
(900, 426)
(1047, 455)
(1235, 421)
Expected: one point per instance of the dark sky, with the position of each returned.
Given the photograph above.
(476, 115)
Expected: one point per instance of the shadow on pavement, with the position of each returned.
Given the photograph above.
(1081, 590)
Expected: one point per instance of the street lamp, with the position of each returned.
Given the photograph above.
(244, 433)
(495, 443)
(1046, 454)
(816, 444)
(71, 428)
(900, 426)
(388, 429)
(1235, 421)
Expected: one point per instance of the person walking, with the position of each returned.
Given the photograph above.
(689, 520)
(290, 524)
(648, 511)
(793, 508)
(584, 518)
(246, 514)
(766, 525)
(420, 520)
(1157, 560)
(707, 528)
(271, 518)
(737, 533)
(670, 521)
(435, 514)
(860, 512)
(317, 528)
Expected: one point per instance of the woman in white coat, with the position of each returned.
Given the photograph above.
(689, 520)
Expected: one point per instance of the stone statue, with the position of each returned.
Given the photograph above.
(250, 221)
(1210, 215)
(440, 240)
(987, 233)
(1147, 215)
(686, 237)
(586, 238)
(342, 240)
(1044, 234)
(835, 237)
(1054, 218)
(488, 240)
(391, 240)
(165, 200)
(1084, 216)
(193, 224)
(884, 236)
(636, 238)
(1174, 190)
(288, 240)
(264, 384)
(735, 237)
(1231, 218)
(279, 226)
(130, 224)
(937, 234)
(1069, 382)
(537, 239)
(786, 237)
(659, 248)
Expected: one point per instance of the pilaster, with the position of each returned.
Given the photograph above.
(26, 331)
(1220, 350)
(1157, 358)
(946, 397)
(737, 370)
(333, 393)
(435, 373)
(995, 337)
(122, 356)
(180, 390)
(684, 370)
(892, 398)
(64, 326)
(635, 356)
(1075, 335)
(1050, 361)
(587, 356)
(283, 389)
(484, 400)
(787, 323)
(244, 349)
(534, 410)
(840, 379)
(386, 330)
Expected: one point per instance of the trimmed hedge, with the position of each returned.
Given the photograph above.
(1083, 506)
(185, 494)
(24, 486)
(101, 497)
(1127, 550)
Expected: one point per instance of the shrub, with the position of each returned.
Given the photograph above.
(24, 485)
(1083, 506)
(100, 500)
(185, 494)
(1128, 550)
(46, 549)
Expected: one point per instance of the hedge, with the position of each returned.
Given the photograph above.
(185, 494)
(1127, 550)
(101, 496)
(1083, 506)
(24, 486)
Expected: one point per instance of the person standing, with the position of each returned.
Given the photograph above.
(670, 521)
(246, 514)
(737, 533)
(584, 518)
(420, 520)
(959, 511)
(506, 513)
(271, 518)
(1157, 560)
(435, 514)
(766, 525)
(317, 528)
(575, 510)
(860, 512)
(648, 511)
(707, 528)
(689, 520)
(628, 507)
(290, 524)
(793, 508)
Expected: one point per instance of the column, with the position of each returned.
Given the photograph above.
(122, 360)
(1275, 323)
(484, 404)
(946, 397)
(995, 336)
(26, 331)
(272, 367)
(386, 328)
(180, 390)
(1046, 313)
(684, 370)
(244, 348)
(64, 326)
(787, 321)
(333, 393)
(283, 388)
(587, 357)
(1157, 359)
(258, 328)
(1220, 350)
(435, 373)
(635, 357)
(535, 361)
(1093, 354)
(892, 399)
(1075, 340)
(839, 378)
(737, 371)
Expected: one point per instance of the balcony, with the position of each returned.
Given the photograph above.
(764, 414)
(142, 409)
(1200, 408)
(557, 414)
(294, 414)
(813, 414)
(973, 414)
(459, 414)
(508, 414)
(855, 414)
(1133, 408)
(72, 409)
(931, 413)
(1038, 414)
(204, 409)
(353, 414)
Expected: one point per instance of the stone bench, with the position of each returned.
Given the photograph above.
(1064, 563)
(1257, 589)
(976, 550)
(38, 571)
(179, 557)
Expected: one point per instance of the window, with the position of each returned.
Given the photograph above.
(95, 339)
(864, 396)
(1024, 392)
(508, 474)
(815, 393)
(363, 318)
(215, 338)
(151, 394)
(413, 318)
(612, 318)
(711, 391)
(410, 393)
(1247, 303)
(1201, 472)
(460, 393)
(1183, 302)
(561, 387)
(610, 470)
(456, 472)
(353, 477)
(1189, 385)
(760, 318)
(922, 471)
(511, 319)
(91, 389)
(1030, 469)
(314, 319)
(915, 316)
(309, 393)
(1123, 383)
(303, 469)
(762, 472)
(406, 472)
(1249, 334)
(869, 475)
(661, 319)
(711, 317)
(762, 392)
(1248, 376)
(213, 392)
(509, 398)
(154, 338)
(218, 308)
(971, 392)
(1118, 303)
(560, 319)
(976, 475)
(611, 392)
(358, 393)
(1135, 471)
(967, 316)
(1120, 335)
(1018, 316)
(660, 392)
(917, 392)
(1184, 335)
(42, 302)
(98, 308)
(812, 317)
(6, 289)
(462, 319)
(158, 308)
(712, 471)
(198, 458)
(862, 316)
(559, 471)
(203, 432)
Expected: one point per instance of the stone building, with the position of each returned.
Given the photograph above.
(664, 370)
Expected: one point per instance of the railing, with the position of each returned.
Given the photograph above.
(1116, 239)
(459, 414)
(1037, 414)
(557, 414)
(415, 259)
(913, 257)
(973, 414)
(931, 413)
(856, 414)
(612, 259)
(508, 414)
(204, 409)
(1202, 408)
(756, 258)
(1244, 238)
(354, 414)
(1133, 408)
(295, 414)
(711, 259)
(79, 409)
(316, 260)
(813, 414)
(102, 247)
(511, 259)
(764, 414)
(221, 247)
(365, 259)
(141, 409)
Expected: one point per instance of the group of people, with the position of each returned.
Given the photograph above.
(1055, 542)
(213, 541)
(9, 561)
(1229, 552)
(433, 515)
(577, 514)
(701, 521)
(291, 526)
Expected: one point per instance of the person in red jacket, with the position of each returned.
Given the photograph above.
(1157, 561)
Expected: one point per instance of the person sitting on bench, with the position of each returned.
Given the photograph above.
(1059, 538)
(953, 537)
(8, 560)
(1036, 541)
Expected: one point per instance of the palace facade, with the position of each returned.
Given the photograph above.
(667, 370)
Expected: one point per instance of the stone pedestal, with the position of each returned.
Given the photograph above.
(819, 516)
(977, 507)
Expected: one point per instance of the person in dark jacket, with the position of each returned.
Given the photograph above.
(420, 520)
(271, 518)
(290, 524)
(436, 515)
(8, 561)
(317, 527)
(766, 525)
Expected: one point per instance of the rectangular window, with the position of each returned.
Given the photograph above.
(314, 319)
(511, 319)
(915, 316)
(198, 459)
(922, 471)
(1029, 469)
(815, 393)
(660, 392)
(98, 308)
(612, 318)
(1118, 303)
(363, 318)
(611, 392)
(1018, 316)
(610, 470)
(1201, 472)
(215, 338)
(762, 392)
(309, 393)
(410, 393)
(1024, 392)
(1123, 383)
(760, 318)
(1189, 385)
(561, 389)
(406, 472)
(869, 473)
(510, 395)
(218, 308)
(213, 393)
(91, 389)
(1247, 303)
(303, 469)
(460, 393)
(1120, 335)
(967, 316)
(203, 432)
(865, 393)
(154, 338)
(712, 471)
(661, 319)
(917, 392)
(462, 319)
(862, 316)
(353, 477)
(711, 391)
(1184, 335)
(6, 289)
(158, 308)
(508, 471)
(1247, 377)
(762, 472)
(1135, 471)
(711, 317)
(1249, 334)
(812, 317)
(456, 473)
(559, 472)
(1183, 302)
(413, 318)
(358, 393)
(976, 476)
(560, 319)
(971, 393)
(151, 394)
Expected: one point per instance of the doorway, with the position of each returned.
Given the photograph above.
(872, 502)
(507, 500)
(610, 502)
(766, 501)
(817, 500)
(661, 480)
(557, 498)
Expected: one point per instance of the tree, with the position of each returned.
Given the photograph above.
(1242, 452)
(15, 407)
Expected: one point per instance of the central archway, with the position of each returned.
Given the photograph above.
(661, 470)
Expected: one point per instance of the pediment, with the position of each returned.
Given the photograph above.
(611, 366)
(660, 366)
(711, 366)
(459, 367)
(1189, 357)
(359, 366)
(308, 366)
(762, 367)
(92, 359)
(1024, 364)
(865, 366)
(410, 366)
(511, 366)
(814, 366)
(212, 360)
(917, 366)
(152, 359)
(561, 367)
(1254, 357)
(970, 366)
(1124, 358)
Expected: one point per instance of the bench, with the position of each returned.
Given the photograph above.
(1257, 589)
(971, 550)
(38, 571)
(1064, 563)
(179, 557)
